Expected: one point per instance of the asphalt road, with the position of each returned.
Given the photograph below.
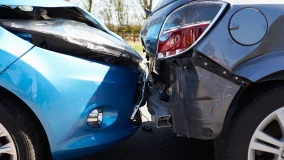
(160, 144)
(157, 145)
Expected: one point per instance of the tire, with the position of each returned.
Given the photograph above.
(239, 140)
(22, 130)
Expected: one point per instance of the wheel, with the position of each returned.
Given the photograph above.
(257, 132)
(19, 139)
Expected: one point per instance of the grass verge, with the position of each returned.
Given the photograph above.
(137, 46)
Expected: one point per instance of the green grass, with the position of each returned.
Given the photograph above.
(137, 46)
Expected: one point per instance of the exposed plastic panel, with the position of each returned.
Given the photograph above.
(200, 101)
(158, 109)
(74, 38)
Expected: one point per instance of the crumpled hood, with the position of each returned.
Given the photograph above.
(66, 36)
(50, 21)
(59, 3)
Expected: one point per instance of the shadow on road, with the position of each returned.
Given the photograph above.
(156, 145)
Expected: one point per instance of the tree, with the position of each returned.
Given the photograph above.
(147, 5)
(106, 12)
(120, 9)
(121, 12)
(89, 5)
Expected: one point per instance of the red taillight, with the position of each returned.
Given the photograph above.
(186, 26)
(175, 41)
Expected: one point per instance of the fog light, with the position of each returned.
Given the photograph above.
(95, 118)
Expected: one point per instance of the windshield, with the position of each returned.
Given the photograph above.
(162, 3)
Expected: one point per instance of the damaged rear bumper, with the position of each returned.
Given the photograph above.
(195, 99)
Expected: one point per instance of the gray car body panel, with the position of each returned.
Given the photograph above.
(221, 47)
(262, 66)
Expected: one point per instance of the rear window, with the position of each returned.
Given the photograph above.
(162, 3)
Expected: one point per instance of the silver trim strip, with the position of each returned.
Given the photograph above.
(187, 26)
(136, 108)
(224, 5)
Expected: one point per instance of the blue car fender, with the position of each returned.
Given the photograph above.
(62, 90)
(11, 48)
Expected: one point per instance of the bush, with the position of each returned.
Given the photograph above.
(127, 32)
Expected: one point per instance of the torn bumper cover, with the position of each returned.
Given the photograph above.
(140, 98)
(199, 102)
(199, 95)
(73, 38)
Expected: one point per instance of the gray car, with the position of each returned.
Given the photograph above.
(216, 72)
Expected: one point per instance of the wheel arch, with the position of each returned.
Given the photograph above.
(246, 95)
(10, 95)
(264, 72)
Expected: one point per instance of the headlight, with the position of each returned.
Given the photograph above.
(185, 26)
(26, 8)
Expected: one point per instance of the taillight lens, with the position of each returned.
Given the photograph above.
(185, 26)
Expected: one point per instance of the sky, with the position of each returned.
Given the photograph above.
(134, 9)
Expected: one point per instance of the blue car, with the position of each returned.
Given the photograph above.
(69, 86)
